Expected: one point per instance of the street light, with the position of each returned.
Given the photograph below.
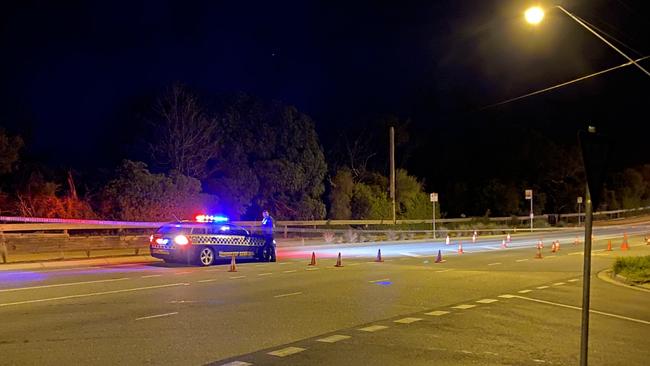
(534, 15)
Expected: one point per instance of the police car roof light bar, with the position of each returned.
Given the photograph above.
(211, 218)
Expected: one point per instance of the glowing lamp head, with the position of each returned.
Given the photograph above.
(181, 240)
(534, 15)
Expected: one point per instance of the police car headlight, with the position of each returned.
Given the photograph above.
(181, 240)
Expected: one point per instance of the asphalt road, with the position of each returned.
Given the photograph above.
(488, 306)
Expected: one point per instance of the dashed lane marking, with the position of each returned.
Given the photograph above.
(494, 264)
(353, 264)
(333, 339)
(574, 280)
(311, 269)
(208, 280)
(463, 307)
(579, 308)
(521, 260)
(559, 284)
(265, 274)
(286, 351)
(541, 287)
(237, 363)
(444, 270)
(380, 280)
(407, 320)
(283, 263)
(291, 271)
(524, 291)
(151, 276)
(92, 294)
(373, 328)
(437, 312)
(290, 294)
(487, 301)
(550, 257)
(182, 273)
(62, 284)
(507, 296)
(236, 277)
(575, 253)
(157, 316)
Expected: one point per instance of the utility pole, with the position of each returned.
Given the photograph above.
(392, 170)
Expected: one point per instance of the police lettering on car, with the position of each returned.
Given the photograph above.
(205, 240)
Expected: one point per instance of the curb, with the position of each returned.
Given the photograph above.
(78, 262)
(606, 275)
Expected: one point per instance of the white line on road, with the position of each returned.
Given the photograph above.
(312, 269)
(521, 260)
(407, 320)
(380, 280)
(290, 271)
(353, 264)
(524, 291)
(444, 270)
(151, 276)
(579, 308)
(63, 284)
(236, 277)
(373, 328)
(286, 351)
(182, 273)
(559, 284)
(507, 296)
(437, 313)
(494, 264)
(157, 316)
(209, 280)
(237, 363)
(291, 294)
(92, 294)
(574, 280)
(541, 287)
(463, 307)
(265, 274)
(487, 301)
(333, 338)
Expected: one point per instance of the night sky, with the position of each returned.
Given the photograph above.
(75, 76)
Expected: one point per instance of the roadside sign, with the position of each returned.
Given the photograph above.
(529, 194)
(434, 197)
(579, 199)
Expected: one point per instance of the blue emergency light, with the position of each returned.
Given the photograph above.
(211, 218)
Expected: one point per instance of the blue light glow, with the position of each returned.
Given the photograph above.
(211, 218)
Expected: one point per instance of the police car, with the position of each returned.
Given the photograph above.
(205, 240)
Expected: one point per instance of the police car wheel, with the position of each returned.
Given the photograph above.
(206, 256)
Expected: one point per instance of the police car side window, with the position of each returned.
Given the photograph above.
(198, 231)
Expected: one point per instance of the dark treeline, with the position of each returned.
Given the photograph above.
(239, 154)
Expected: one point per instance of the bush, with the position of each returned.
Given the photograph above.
(635, 269)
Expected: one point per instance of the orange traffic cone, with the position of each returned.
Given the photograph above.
(439, 258)
(508, 239)
(540, 243)
(338, 261)
(557, 246)
(379, 259)
(313, 259)
(233, 265)
(625, 246)
(460, 247)
(539, 252)
(647, 240)
(609, 246)
(553, 250)
(503, 244)
(577, 241)
(447, 240)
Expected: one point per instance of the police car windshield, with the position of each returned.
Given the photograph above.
(171, 229)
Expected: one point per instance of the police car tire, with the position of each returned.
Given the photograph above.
(205, 256)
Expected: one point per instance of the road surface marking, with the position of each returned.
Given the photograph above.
(381, 280)
(265, 274)
(291, 294)
(182, 273)
(491, 248)
(373, 328)
(444, 270)
(333, 339)
(237, 363)
(550, 257)
(91, 294)
(487, 301)
(311, 269)
(210, 280)
(151, 276)
(407, 320)
(290, 271)
(463, 307)
(237, 277)
(410, 254)
(575, 253)
(62, 284)
(559, 284)
(521, 260)
(524, 291)
(353, 264)
(579, 308)
(157, 316)
(437, 313)
(282, 263)
(494, 264)
(541, 287)
(507, 296)
(286, 351)
(574, 280)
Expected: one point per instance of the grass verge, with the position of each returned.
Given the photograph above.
(635, 269)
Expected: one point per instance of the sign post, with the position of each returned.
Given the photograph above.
(579, 204)
(434, 199)
(529, 196)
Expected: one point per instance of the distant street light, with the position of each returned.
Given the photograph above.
(535, 15)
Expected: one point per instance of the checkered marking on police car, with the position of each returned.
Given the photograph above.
(226, 240)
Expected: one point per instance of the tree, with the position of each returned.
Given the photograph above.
(270, 158)
(135, 194)
(341, 195)
(185, 137)
(9, 151)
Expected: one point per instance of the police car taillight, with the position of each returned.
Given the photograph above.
(181, 240)
(162, 241)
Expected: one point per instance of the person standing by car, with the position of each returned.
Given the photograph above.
(267, 232)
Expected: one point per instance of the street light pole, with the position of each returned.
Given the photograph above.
(586, 280)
